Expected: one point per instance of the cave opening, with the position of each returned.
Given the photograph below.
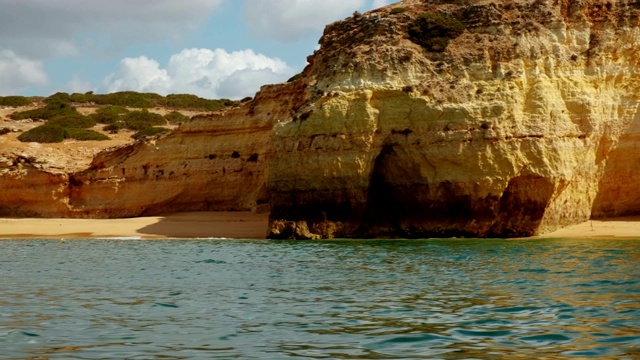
(396, 194)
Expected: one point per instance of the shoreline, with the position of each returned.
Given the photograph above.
(236, 225)
(213, 224)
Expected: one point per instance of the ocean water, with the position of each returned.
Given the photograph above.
(231, 299)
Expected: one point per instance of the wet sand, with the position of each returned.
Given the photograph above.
(239, 225)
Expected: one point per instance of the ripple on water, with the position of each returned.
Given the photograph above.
(546, 338)
(488, 299)
(411, 341)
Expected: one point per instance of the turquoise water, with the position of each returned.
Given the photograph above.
(228, 299)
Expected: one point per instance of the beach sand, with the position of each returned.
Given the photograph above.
(623, 227)
(240, 225)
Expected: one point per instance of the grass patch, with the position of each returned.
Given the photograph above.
(434, 31)
(15, 101)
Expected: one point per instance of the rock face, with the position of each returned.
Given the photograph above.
(215, 163)
(525, 123)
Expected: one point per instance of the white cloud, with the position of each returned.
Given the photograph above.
(44, 28)
(290, 20)
(77, 85)
(19, 73)
(140, 74)
(379, 3)
(207, 73)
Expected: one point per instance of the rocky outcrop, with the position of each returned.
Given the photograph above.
(525, 123)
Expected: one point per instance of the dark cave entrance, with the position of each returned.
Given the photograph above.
(396, 195)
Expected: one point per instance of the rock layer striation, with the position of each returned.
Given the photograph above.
(524, 124)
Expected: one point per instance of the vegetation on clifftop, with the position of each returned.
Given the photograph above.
(433, 31)
(15, 101)
(63, 121)
(144, 100)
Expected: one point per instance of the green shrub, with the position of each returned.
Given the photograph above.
(175, 117)
(15, 101)
(127, 98)
(74, 121)
(142, 119)
(59, 97)
(398, 10)
(114, 128)
(84, 135)
(81, 98)
(52, 109)
(143, 100)
(150, 132)
(109, 114)
(193, 102)
(43, 134)
(433, 31)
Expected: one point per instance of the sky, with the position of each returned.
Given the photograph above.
(211, 48)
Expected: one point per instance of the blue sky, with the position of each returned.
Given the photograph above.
(212, 48)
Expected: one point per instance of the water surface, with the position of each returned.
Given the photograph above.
(228, 299)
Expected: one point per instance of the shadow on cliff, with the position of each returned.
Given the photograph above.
(237, 225)
(618, 191)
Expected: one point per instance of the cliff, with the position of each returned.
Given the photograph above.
(525, 123)
(521, 120)
(213, 162)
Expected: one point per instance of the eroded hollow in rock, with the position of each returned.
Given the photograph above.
(522, 206)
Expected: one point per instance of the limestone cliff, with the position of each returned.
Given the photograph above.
(524, 122)
(213, 162)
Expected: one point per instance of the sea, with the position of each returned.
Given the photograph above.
(342, 299)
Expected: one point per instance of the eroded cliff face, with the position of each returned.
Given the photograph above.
(528, 121)
(524, 124)
(215, 162)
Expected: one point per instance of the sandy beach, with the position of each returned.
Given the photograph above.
(240, 225)
(623, 227)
